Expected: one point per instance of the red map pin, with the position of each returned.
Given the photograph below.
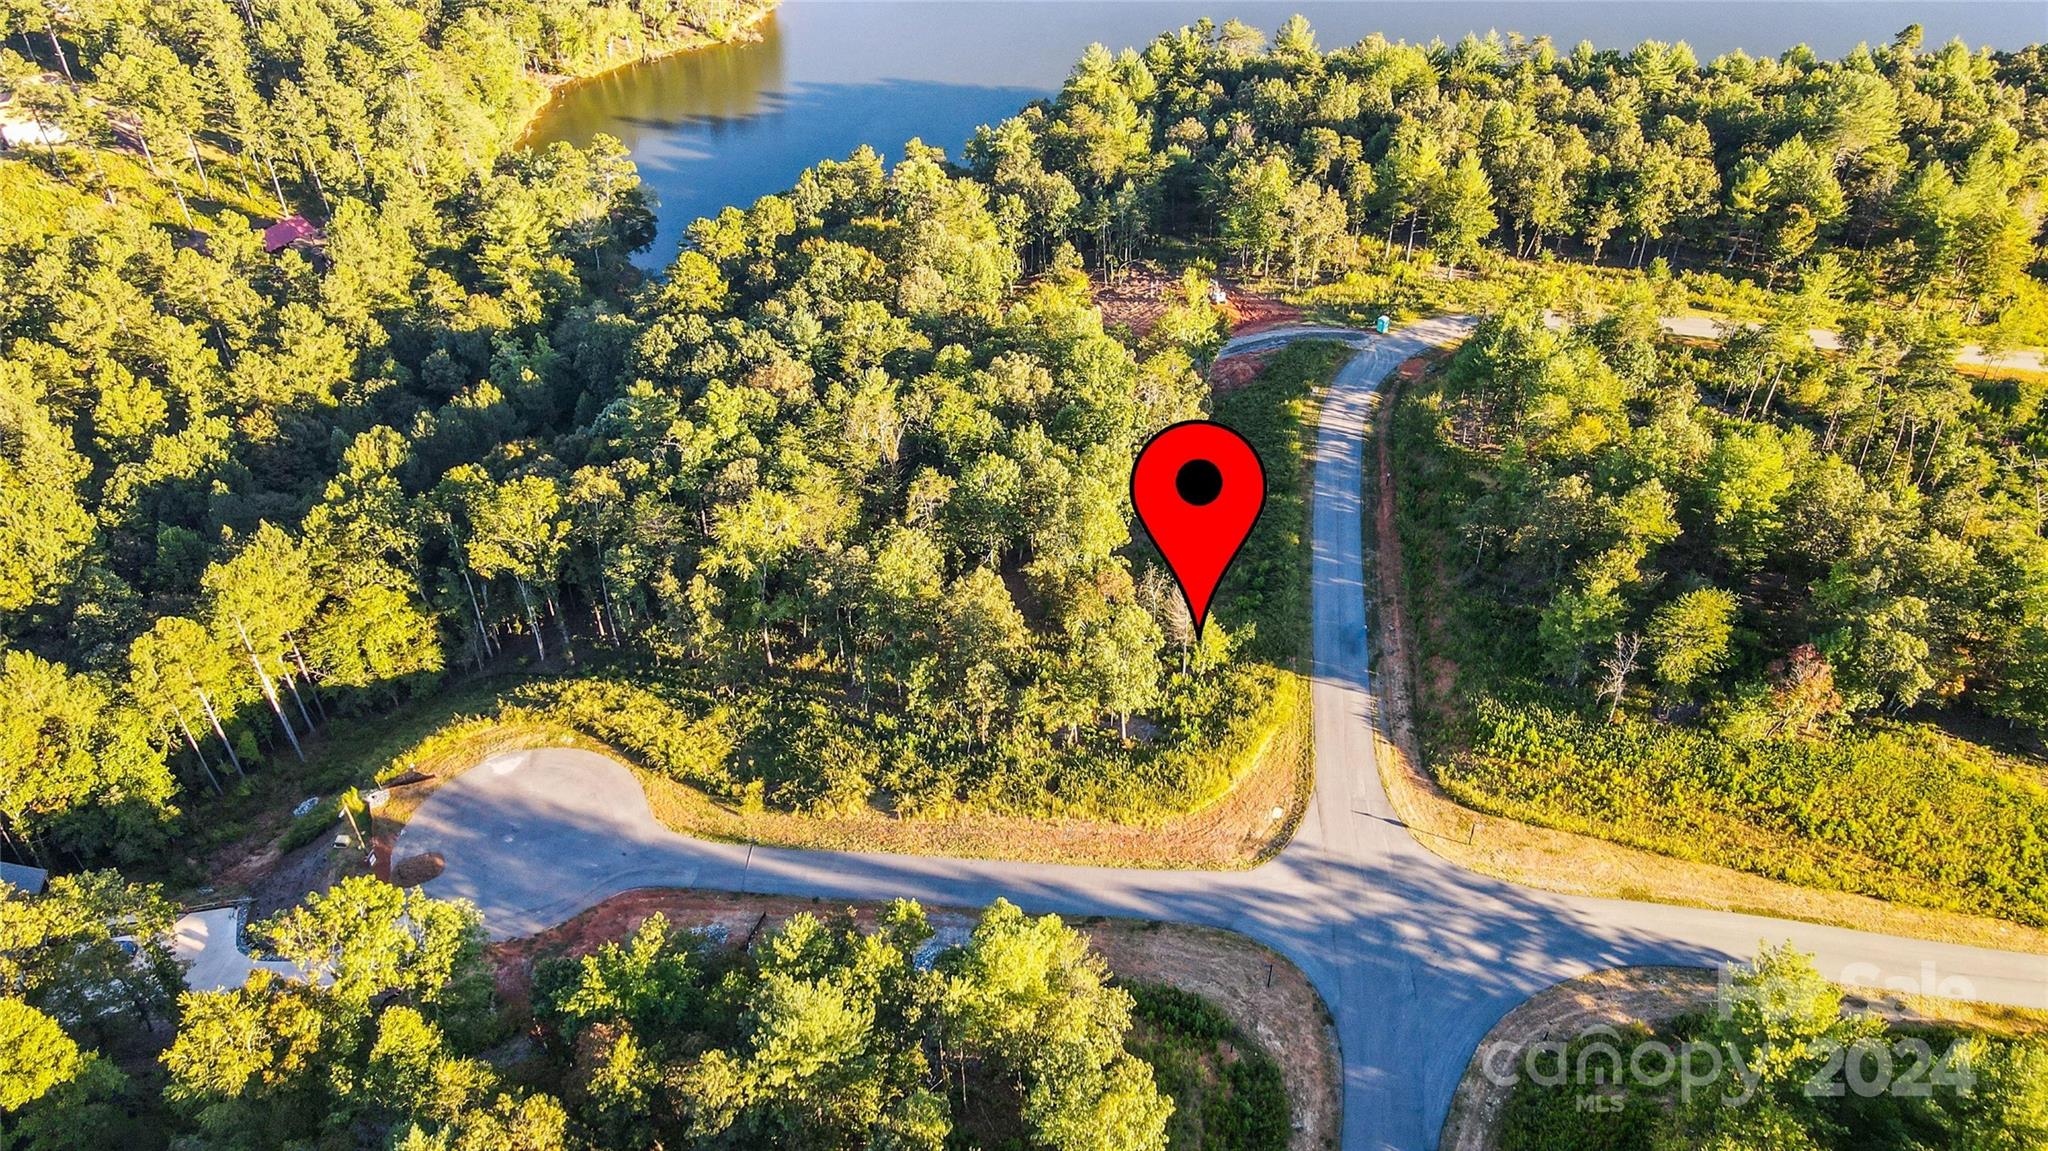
(1198, 488)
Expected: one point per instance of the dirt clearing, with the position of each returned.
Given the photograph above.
(1138, 298)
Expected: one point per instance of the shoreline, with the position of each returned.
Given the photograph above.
(746, 31)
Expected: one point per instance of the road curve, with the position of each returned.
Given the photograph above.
(1416, 957)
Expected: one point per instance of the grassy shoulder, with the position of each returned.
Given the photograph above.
(1524, 1089)
(1423, 685)
(1235, 1034)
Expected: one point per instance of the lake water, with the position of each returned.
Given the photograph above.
(729, 124)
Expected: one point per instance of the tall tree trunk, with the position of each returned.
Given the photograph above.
(203, 765)
(284, 207)
(291, 682)
(199, 165)
(610, 608)
(532, 620)
(312, 172)
(1931, 446)
(49, 146)
(562, 625)
(99, 168)
(213, 717)
(270, 691)
(306, 674)
(483, 630)
(62, 61)
(1765, 412)
(20, 840)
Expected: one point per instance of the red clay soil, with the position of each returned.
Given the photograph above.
(1138, 299)
(1256, 311)
(741, 917)
(1233, 372)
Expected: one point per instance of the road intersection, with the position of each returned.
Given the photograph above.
(1416, 957)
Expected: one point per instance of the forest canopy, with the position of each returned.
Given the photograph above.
(1922, 173)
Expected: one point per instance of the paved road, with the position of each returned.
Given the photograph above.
(1416, 958)
(205, 940)
(1971, 355)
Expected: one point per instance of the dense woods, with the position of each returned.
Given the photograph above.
(1683, 604)
(1921, 174)
(207, 543)
(844, 471)
(836, 463)
(1685, 584)
(822, 1034)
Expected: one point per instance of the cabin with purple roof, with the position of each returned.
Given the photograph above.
(291, 232)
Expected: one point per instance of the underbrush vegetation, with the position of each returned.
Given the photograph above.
(1228, 1094)
(830, 1034)
(1685, 599)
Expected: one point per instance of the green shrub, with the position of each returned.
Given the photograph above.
(1228, 1094)
(324, 820)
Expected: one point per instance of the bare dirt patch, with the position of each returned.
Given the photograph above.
(1560, 860)
(1268, 998)
(1254, 311)
(284, 879)
(1138, 298)
(1233, 372)
(1263, 994)
(417, 870)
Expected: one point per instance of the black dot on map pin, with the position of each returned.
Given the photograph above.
(1199, 482)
